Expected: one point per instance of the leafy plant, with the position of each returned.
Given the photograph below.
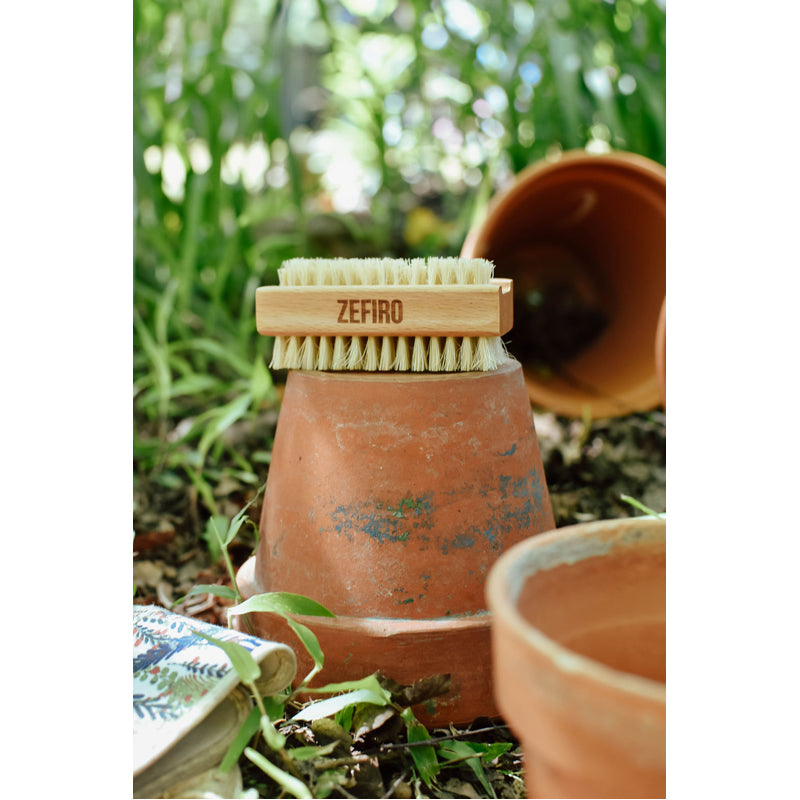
(264, 738)
(266, 130)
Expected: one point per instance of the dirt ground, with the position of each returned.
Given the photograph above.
(589, 468)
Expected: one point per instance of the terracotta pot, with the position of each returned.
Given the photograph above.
(584, 239)
(579, 651)
(388, 499)
(661, 353)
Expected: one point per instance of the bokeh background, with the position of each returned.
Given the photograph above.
(265, 130)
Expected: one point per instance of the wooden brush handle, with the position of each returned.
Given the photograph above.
(450, 310)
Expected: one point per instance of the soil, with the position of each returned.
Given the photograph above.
(589, 466)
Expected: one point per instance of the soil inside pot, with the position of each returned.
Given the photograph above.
(553, 324)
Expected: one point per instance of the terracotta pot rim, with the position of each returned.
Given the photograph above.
(501, 594)
(615, 160)
(249, 585)
(393, 626)
(569, 160)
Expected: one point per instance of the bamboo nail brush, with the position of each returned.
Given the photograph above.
(383, 314)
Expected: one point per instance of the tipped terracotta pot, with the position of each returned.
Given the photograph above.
(579, 651)
(584, 239)
(661, 353)
(389, 497)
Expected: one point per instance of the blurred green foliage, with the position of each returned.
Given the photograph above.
(265, 130)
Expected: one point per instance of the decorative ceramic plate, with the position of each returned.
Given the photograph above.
(179, 677)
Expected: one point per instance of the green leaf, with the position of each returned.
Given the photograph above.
(160, 363)
(425, 759)
(463, 751)
(288, 782)
(214, 533)
(243, 662)
(261, 385)
(345, 717)
(208, 588)
(311, 644)
(222, 419)
(311, 751)
(491, 751)
(371, 683)
(219, 352)
(237, 746)
(275, 739)
(329, 707)
(282, 603)
(236, 524)
(274, 705)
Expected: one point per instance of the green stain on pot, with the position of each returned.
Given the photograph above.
(521, 503)
(511, 451)
(460, 541)
(384, 522)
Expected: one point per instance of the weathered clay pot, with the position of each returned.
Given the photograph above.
(661, 353)
(388, 499)
(584, 239)
(579, 651)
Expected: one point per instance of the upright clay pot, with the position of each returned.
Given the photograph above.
(584, 239)
(579, 652)
(388, 499)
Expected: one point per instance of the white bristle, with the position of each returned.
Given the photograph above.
(371, 354)
(386, 361)
(419, 355)
(386, 353)
(355, 354)
(434, 354)
(278, 350)
(339, 353)
(465, 356)
(308, 353)
(325, 353)
(418, 272)
(402, 354)
(292, 353)
(450, 355)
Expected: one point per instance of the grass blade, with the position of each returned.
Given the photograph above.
(223, 419)
(424, 757)
(237, 746)
(289, 783)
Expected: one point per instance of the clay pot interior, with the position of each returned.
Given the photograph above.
(609, 609)
(584, 239)
(661, 353)
(579, 643)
